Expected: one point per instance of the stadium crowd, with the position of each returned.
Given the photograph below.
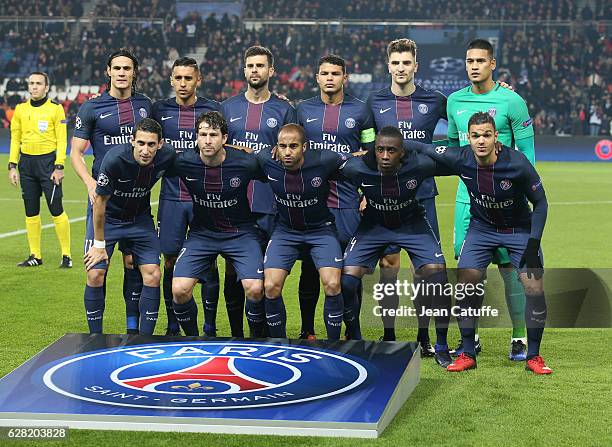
(563, 77)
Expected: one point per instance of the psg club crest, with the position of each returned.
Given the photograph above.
(271, 122)
(423, 109)
(505, 184)
(142, 112)
(492, 111)
(235, 182)
(204, 376)
(349, 122)
(316, 182)
(411, 184)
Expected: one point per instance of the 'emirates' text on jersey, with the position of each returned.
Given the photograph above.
(342, 128)
(178, 126)
(107, 122)
(256, 126)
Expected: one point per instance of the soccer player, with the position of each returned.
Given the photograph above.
(217, 178)
(299, 180)
(389, 177)
(253, 119)
(38, 148)
(515, 128)
(341, 123)
(105, 122)
(415, 111)
(177, 117)
(499, 184)
(122, 213)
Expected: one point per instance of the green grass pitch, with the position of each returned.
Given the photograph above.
(497, 404)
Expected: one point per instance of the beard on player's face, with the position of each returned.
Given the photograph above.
(259, 83)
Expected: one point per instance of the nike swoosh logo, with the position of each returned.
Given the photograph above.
(259, 271)
(365, 186)
(437, 255)
(235, 119)
(338, 260)
(93, 312)
(537, 313)
(135, 293)
(124, 181)
(189, 179)
(272, 316)
(384, 110)
(459, 112)
(164, 118)
(104, 115)
(180, 313)
(251, 313)
(466, 177)
(335, 316)
(310, 120)
(272, 179)
(152, 313)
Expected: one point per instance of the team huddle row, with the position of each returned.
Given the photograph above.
(264, 185)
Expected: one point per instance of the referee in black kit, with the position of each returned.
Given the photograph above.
(38, 151)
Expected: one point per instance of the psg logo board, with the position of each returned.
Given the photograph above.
(350, 389)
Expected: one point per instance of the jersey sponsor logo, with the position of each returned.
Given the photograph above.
(381, 111)
(505, 184)
(142, 112)
(316, 182)
(411, 184)
(205, 375)
(43, 126)
(271, 122)
(234, 182)
(423, 109)
(492, 112)
(105, 115)
(310, 120)
(527, 123)
(350, 123)
(103, 179)
(235, 119)
(447, 64)
(440, 149)
(164, 118)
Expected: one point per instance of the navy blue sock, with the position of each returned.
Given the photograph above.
(276, 316)
(350, 288)
(441, 302)
(535, 317)
(256, 317)
(132, 288)
(94, 308)
(149, 309)
(235, 313)
(333, 310)
(309, 289)
(389, 301)
(187, 316)
(210, 301)
(173, 325)
(422, 302)
(467, 325)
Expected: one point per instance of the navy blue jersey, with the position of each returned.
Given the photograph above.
(108, 122)
(128, 183)
(301, 195)
(219, 193)
(391, 199)
(257, 126)
(415, 116)
(499, 192)
(342, 128)
(178, 125)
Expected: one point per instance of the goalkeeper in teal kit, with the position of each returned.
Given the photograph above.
(515, 128)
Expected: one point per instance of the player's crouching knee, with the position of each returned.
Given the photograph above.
(332, 286)
(181, 292)
(254, 289)
(95, 277)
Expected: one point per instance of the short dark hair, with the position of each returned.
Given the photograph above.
(334, 60)
(481, 118)
(401, 46)
(126, 53)
(292, 127)
(148, 125)
(43, 74)
(258, 50)
(481, 44)
(186, 62)
(213, 119)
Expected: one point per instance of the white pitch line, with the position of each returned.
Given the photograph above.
(44, 227)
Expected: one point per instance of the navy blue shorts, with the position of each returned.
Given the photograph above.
(201, 248)
(482, 240)
(139, 235)
(266, 224)
(286, 245)
(124, 246)
(173, 219)
(347, 221)
(432, 216)
(370, 242)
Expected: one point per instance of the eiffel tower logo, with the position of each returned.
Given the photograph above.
(215, 369)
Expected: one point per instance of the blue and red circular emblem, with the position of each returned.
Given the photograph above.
(206, 375)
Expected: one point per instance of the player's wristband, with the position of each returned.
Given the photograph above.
(59, 167)
(12, 165)
(99, 244)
